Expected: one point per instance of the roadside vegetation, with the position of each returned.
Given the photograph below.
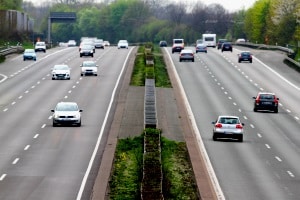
(178, 176)
(272, 22)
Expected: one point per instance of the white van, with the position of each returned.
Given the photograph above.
(40, 46)
(210, 40)
(178, 45)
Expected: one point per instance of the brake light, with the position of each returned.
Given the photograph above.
(218, 125)
(239, 126)
(257, 100)
(275, 101)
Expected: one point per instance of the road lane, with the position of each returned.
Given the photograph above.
(38, 159)
(265, 165)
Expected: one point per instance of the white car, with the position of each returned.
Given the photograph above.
(61, 71)
(89, 67)
(227, 126)
(122, 44)
(66, 113)
(72, 43)
(40, 46)
(106, 43)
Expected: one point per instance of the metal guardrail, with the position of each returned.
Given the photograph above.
(11, 50)
(264, 46)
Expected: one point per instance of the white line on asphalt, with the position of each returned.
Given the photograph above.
(291, 174)
(277, 158)
(2, 177)
(26, 148)
(211, 172)
(15, 161)
(36, 136)
(268, 146)
(277, 74)
(84, 180)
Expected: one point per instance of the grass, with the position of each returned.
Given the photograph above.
(127, 173)
(179, 180)
(178, 176)
(140, 70)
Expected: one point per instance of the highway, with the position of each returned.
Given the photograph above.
(266, 164)
(38, 161)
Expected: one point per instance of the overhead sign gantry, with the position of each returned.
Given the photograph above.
(59, 17)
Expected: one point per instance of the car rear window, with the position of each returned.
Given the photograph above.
(228, 120)
(267, 96)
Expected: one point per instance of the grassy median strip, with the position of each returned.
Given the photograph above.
(178, 176)
(160, 69)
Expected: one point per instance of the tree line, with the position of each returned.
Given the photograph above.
(273, 22)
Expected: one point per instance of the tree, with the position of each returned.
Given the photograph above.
(11, 5)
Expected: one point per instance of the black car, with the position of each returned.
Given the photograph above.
(220, 42)
(226, 46)
(87, 50)
(163, 44)
(266, 101)
(245, 56)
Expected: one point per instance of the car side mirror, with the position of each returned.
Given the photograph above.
(52, 110)
(80, 110)
(213, 122)
(253, 97)
(277, 98)
(243, 124)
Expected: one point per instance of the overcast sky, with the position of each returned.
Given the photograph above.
(230, 5)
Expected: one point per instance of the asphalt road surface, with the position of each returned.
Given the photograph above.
(266, 164)
(38, 161)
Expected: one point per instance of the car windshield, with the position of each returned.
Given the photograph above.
(89, 64)
(66, 107)
(61, 67)
(87, 47)
(29, 51)
(245, 53)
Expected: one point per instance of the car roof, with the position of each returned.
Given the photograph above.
(187, 51)
(228, 116)
(267, 93)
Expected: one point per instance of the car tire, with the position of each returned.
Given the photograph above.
(24, 59)
(276, 110)
(92, 55)
(250, 61)
(79, 124)
(255, 109)
(214, 138)
(240, 139)
(54, 124)
(239, 61)
(193, 60)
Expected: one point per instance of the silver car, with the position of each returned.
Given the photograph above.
(227, 126)
(66, 113)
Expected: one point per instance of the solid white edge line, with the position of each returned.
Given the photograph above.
(208, 164)
(102, 130)
(277, 74)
